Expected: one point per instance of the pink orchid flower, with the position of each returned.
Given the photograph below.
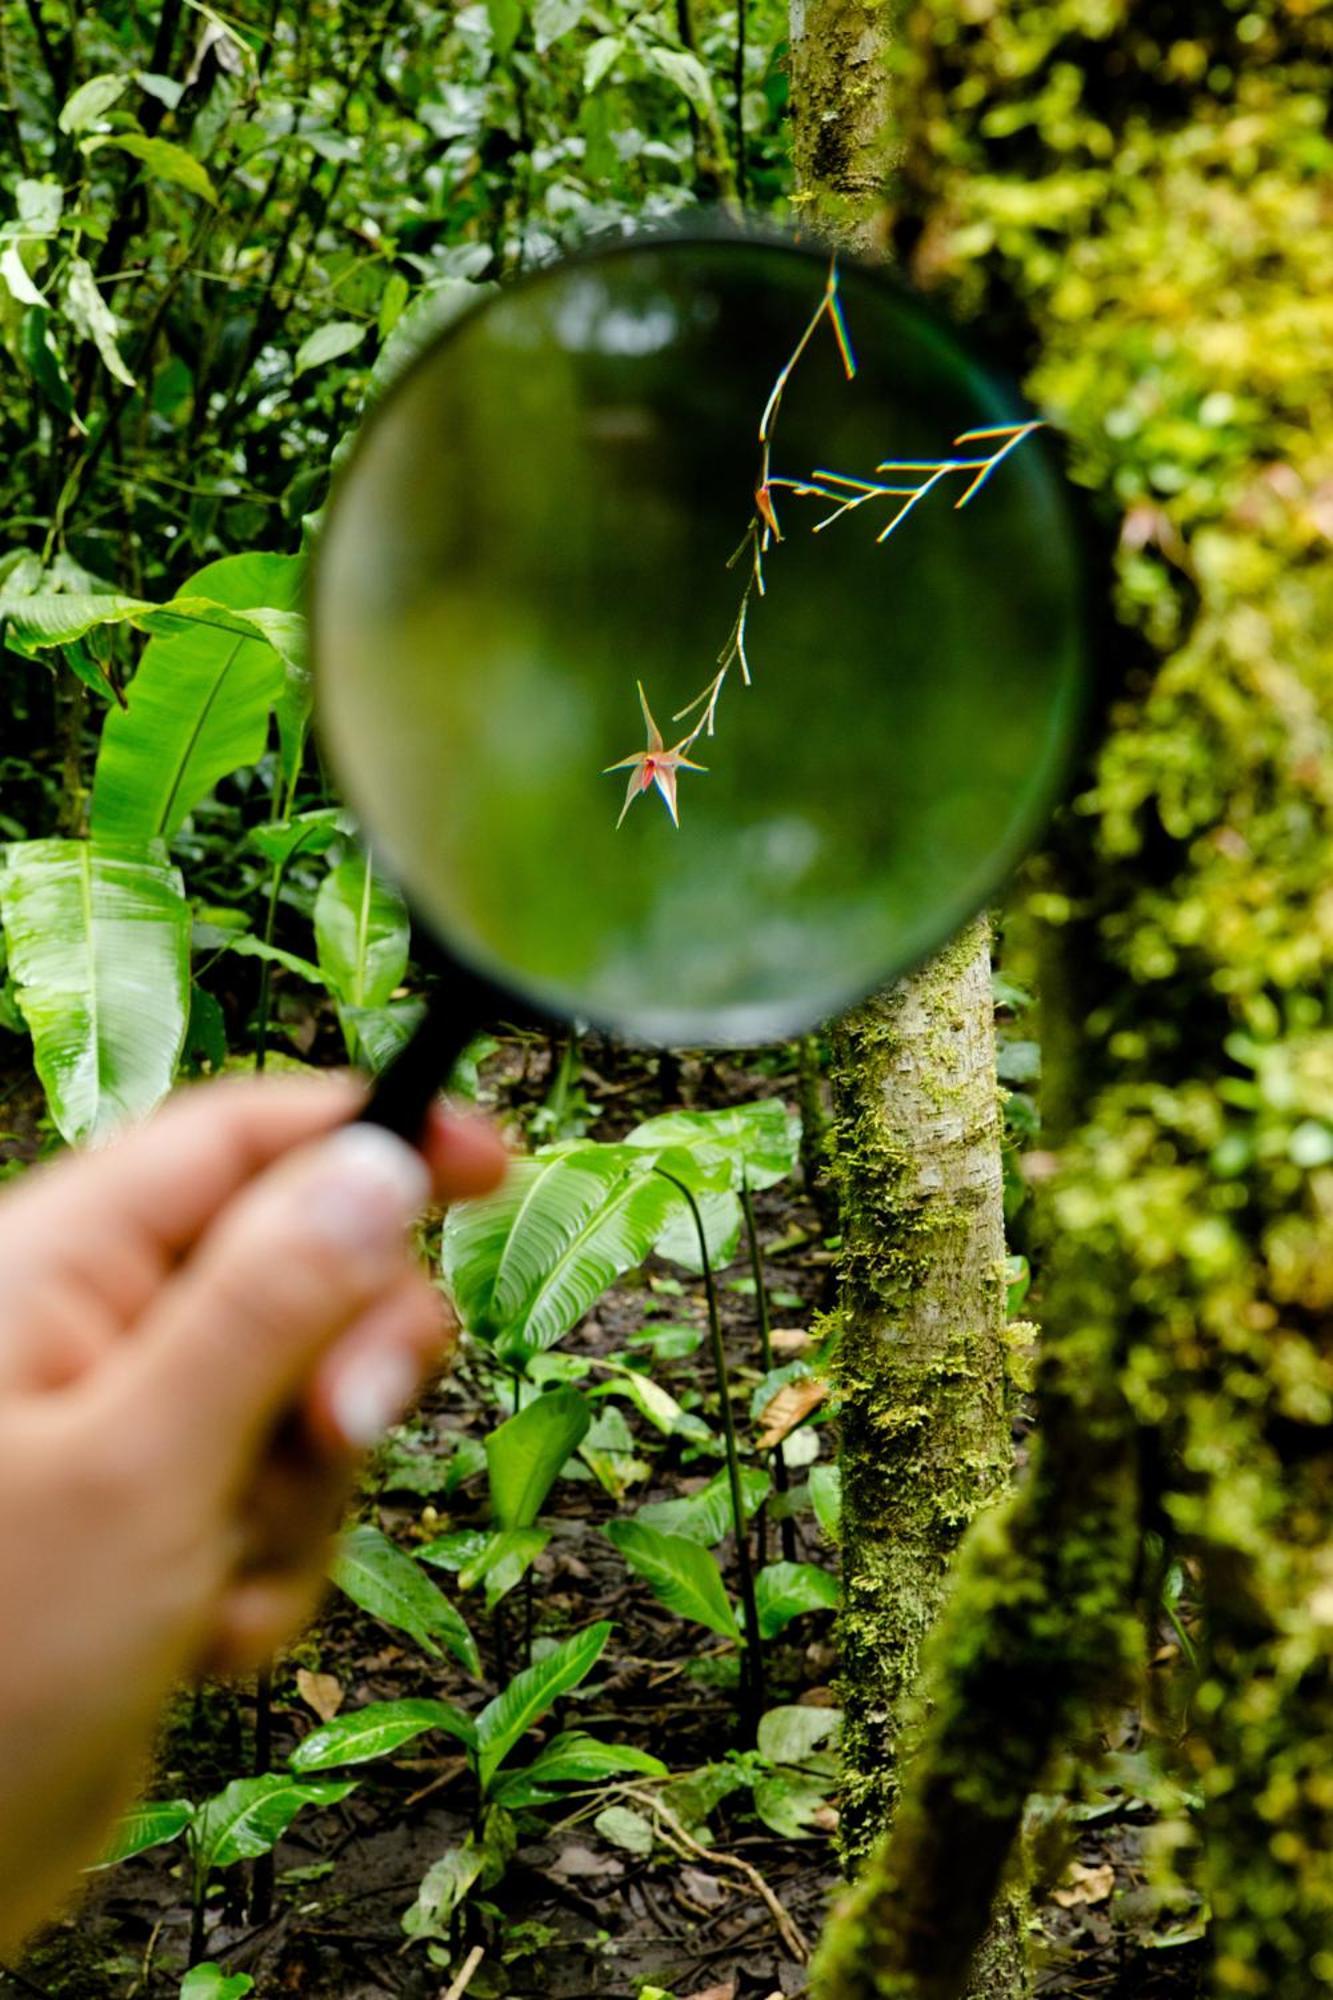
(654, 766)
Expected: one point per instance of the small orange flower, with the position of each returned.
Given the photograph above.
(654, 766)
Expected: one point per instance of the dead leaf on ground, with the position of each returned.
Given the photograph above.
(1084, 1885)
(322, 1692)
(703, 1890)
(727, 1992)
(579, 1863)
(792, 1403)
(789, 1341)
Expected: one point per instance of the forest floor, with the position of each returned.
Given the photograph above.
(573, 1917)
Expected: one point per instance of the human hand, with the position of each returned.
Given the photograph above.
(199, 1327)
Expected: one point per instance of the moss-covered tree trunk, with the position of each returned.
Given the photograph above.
(1139, 197)
(919, 1374)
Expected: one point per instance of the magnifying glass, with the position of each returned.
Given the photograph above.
(700, 637)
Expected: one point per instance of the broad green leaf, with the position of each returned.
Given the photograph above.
(58, 618)
(281, 840)
(531, 1693)
(502, 1561)
(651, 1400)
(246, 946)
(527, 1262)
(43, 360)
(162, 161)
(329, 343)
(760, 1142)
(784, 1590)
(251, 1815)
(388, 1584)
(198, 706)
(455, 1551)
(524, 1455)
(376, 1731)
(790, 1734)
(826, 1499)
(506, 18)
(149, 1825)
(705, 1516)
(700, 1792)
(684, 69)
(93, 318)
(374, 1035)
(601, 59)
(443, 1887)
(361, 934)
(721, 1218)
(210, 1982)
(15, 274)
(680, 1573)
(791, 1805)
(99, 951)
(553, 18)
(609, 1450)
(86, 105)
(573, 1758)
(40, 205)
(623, 1827)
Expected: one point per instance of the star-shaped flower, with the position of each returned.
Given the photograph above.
(654, 766)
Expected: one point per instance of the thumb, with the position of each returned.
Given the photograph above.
(285, 1269)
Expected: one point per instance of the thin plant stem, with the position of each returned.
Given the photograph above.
(261, 1873)
(781, 1479)
(753, 1702)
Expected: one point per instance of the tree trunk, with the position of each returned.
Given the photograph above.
(919, 1373)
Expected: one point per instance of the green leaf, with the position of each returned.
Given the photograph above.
(524, 1455)
(601, 58)
(392, 1587)
(374, 1035)
(572, 1758)
(784, 1590)
(40, 205)
(361, 934)
(427, 316)
(99, 952)
(443, 1887)
(198, 706)
(502, 1561)
(86, 105)
(721, 1218)
(376, 1731)
(651, 1400)
(506, 18)
(246, 946)
(527, 1262)
(531, 1693)
(145, 1826)
(621, 1826)
(43, 361)
(705, 1516)
(455, 1551)
(280, 840)
(826, 1499)
(15, 274)
(210, 1982)
(162, 161)
(553, 18)
(680, 1573)
(91, 316)
(251, 1815)
(789, 1804)
(609, 1451)
(329, 343)
(759, 1143)
(684, 69)
(792, 1733)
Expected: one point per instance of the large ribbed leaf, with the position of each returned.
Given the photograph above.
(681, 1573)
(198, 706)
(759, 1142)
(528, 1696)
(524, 1455)
(251, 1815)
(526, 1263)
(99, 948)
(385, 1581)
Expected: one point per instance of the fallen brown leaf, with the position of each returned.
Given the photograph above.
(1084, 1885)
(322, 1692)
(793, 1402)
(727, 1992)
(789, 1341)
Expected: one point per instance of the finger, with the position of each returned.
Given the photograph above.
(367, 1382)
(258, 1617)
(288, 1268)
(465, 1153)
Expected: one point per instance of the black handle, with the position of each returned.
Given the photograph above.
(459, 1008)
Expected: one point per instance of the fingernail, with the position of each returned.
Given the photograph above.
(370, 1187)
(370, 1394)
